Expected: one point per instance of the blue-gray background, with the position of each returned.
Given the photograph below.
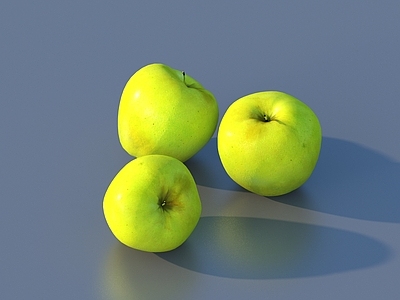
(63, 67)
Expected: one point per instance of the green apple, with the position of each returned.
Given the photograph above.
(152, 204)
(165, 111)
(269, 142)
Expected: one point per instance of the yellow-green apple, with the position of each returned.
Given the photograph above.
(269, 142)
(165, 111)
(152, 204)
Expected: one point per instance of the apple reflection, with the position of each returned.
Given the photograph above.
(131, 274)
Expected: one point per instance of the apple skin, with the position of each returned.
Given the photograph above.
(269, 142)
(165, 111)
(152, 204)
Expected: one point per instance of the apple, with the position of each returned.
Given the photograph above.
(152, 204)
(165, 111)
(269, 142)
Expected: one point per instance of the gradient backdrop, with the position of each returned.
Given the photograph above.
(63, 65)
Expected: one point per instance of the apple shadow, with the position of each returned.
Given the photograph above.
(207, 169)
(254, 248)
(349, 180)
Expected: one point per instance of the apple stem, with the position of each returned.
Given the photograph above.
(267, 118)
(184, 76)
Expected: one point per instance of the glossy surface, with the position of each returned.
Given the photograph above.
(63, 67)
